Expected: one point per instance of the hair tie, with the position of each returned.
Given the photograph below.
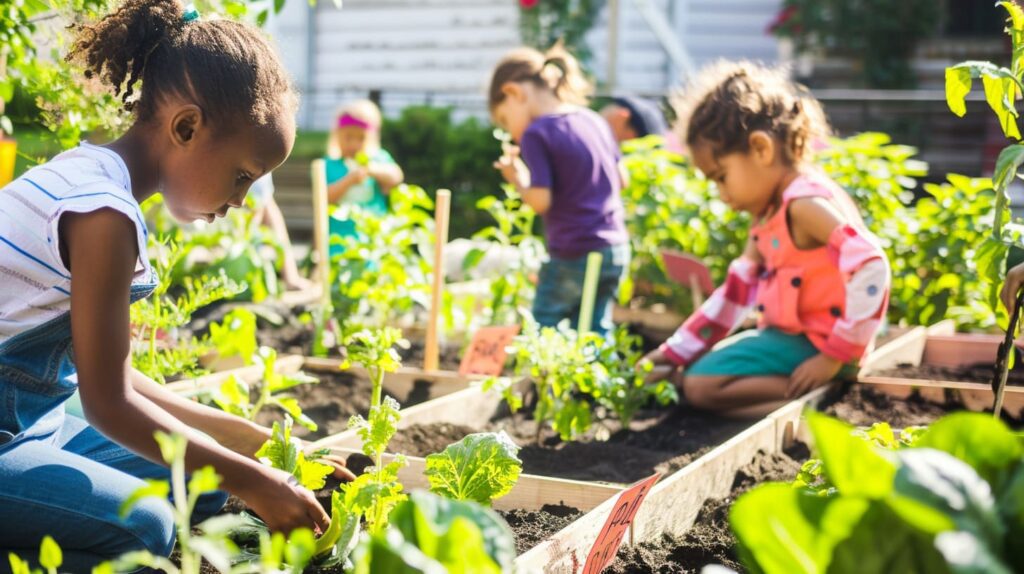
(191, 14)
(348, 120)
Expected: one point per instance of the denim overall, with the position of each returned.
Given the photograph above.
(58, 475)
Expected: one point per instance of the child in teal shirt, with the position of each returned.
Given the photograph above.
(359, 171)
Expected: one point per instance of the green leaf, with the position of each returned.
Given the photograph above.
(284, 452)
(781, 530)
(950, 486)
(460, 537)
(989, 258)
(481, 467)
(342, 532)
(986, 444)
(958, 85)
(473, 259)
(1007, 165)
(172, 446)
(203, 480)
(1001, 93)
(851, 464)
(18, 566)
(153, 488)
(50, 556)
(235, 335)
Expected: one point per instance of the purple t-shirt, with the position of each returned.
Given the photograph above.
(575, 156)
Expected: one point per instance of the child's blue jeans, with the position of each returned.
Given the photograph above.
(560, 289)
(70, 483)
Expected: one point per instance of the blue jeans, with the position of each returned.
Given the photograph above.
(70, 484)
(560, 289)
(61, 477)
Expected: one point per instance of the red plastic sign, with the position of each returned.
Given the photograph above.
(687, 270)
(486, 354)
(608, 542)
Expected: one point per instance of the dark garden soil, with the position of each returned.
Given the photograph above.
(332, 401)
(297, 339)
(977, 373)
(531, 527)
(656, 441)
(862, 405)
(709, 541)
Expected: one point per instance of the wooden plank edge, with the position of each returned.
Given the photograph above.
(286, 365)
(470, 407)
(531, 492)
(974, 396)
(907, 348)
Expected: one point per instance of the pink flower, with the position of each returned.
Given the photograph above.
(527, 3)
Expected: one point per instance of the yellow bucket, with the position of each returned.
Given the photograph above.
(7, 155)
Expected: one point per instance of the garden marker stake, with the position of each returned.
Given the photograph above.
(442, 211)
(589, 292)
(1003, 358)
(318, 169)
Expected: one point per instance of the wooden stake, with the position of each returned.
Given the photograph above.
(318, 170)
(443, 205)
(593, 273)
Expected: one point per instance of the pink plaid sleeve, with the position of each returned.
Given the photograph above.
(727, 307)
(866, 269)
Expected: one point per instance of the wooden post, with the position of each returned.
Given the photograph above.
(593, 273)
(443, 205)
(318, 170)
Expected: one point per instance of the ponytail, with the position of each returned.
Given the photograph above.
(556, 70)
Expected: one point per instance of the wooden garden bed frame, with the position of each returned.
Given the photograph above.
(399, 383)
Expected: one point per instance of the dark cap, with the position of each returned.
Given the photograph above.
(644, 116)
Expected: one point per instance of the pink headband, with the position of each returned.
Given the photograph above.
(348, 120)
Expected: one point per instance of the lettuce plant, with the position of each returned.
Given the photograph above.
(283, 452)
(481, 467)
(430, 534)
(953, 502)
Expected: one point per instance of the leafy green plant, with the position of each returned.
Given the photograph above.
(233, 395)
(382, 273)
(167, 310)
(374, 493)
(50, 558)
(210, 542)
(429, 533)
(283, 452)
(511, 287)
(1003, 86)
(622, 388)
(481, 467)
(950, 502)
(235, 335)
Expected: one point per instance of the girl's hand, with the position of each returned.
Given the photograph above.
(811, 374)
(1012, 286)
(282, 503)
(512, 167)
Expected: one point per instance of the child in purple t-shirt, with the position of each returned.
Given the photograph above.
(569, 174)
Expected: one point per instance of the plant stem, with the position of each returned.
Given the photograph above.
(188, 559)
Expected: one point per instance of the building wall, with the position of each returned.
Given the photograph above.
(441, 51)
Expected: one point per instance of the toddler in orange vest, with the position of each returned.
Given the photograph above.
(811, 269)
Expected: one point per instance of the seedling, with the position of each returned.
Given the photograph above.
(481, 467)
(285, 453)
(373, 494)
(233, 395)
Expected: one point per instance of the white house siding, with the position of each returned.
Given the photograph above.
(442, 51)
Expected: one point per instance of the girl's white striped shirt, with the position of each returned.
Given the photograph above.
(35, 285)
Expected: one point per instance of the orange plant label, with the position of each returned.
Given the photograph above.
(608, 542)
(486, 354)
